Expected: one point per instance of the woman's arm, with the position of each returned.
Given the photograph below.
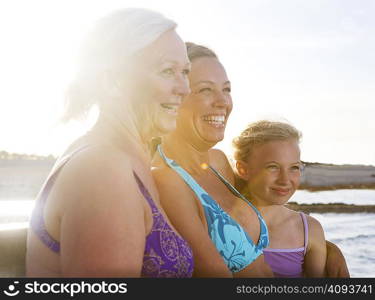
(257, 269)
(315, 258)
(102, 231)
(183, 211)
(336, 265)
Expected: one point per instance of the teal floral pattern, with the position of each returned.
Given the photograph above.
(230, 239)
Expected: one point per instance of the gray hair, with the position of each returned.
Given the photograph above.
(108, 49)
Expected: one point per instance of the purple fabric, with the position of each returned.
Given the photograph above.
(37, 219)
(166, 253)
(288, 262)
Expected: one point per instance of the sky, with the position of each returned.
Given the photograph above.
(311, 63)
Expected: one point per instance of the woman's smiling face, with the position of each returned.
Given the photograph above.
(204, 112)
(160, 82)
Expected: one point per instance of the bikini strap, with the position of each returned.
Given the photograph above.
(189, 180)
(233, 190)
(306, 230)
(146, 194)
(55, 172)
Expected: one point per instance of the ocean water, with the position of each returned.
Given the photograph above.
(354, 233)
(15, 213)
(357, 197)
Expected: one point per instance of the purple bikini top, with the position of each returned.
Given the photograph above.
(166, 253)
(288, 262)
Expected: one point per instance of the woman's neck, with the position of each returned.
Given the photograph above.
(189, 157)
(106, 131)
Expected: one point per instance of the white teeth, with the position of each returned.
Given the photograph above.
(169, 108)
(214, 119)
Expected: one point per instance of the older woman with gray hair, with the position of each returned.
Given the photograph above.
(98, 213)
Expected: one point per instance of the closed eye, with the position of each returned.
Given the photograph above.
(227, 90)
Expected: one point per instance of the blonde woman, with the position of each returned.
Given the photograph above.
(199, 205)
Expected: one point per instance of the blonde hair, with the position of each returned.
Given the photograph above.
(104, 64)
(259, 133)
(196, 51)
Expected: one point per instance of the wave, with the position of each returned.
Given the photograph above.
(354, 238)
(357, 197)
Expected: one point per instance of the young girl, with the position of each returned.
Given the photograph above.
(267, 158)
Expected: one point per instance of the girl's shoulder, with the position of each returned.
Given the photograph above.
(296, 216)
(290, 214)
(315, 228)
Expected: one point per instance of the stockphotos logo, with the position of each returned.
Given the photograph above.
(12, 291)
(67, 288)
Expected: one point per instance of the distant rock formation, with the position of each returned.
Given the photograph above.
(331, 208)
(318, 176)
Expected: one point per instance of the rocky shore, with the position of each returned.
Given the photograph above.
(321, 177)
(331, 208)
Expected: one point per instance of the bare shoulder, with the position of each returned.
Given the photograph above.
(316, 232)
(96, 174)
(170, 184)
(99, 163)
(165, 175)
(176, 197)
(314, 224)
(218, 159)
(292, 217)
(316, 254)
(101, 205)
(221, 163)
(216, 154)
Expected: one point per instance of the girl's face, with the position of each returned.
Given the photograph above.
(272, 171)
(204, 113)
(160, 82)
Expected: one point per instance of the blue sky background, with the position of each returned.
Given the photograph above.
(309, 62)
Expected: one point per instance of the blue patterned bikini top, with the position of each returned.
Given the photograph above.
(230, 239)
